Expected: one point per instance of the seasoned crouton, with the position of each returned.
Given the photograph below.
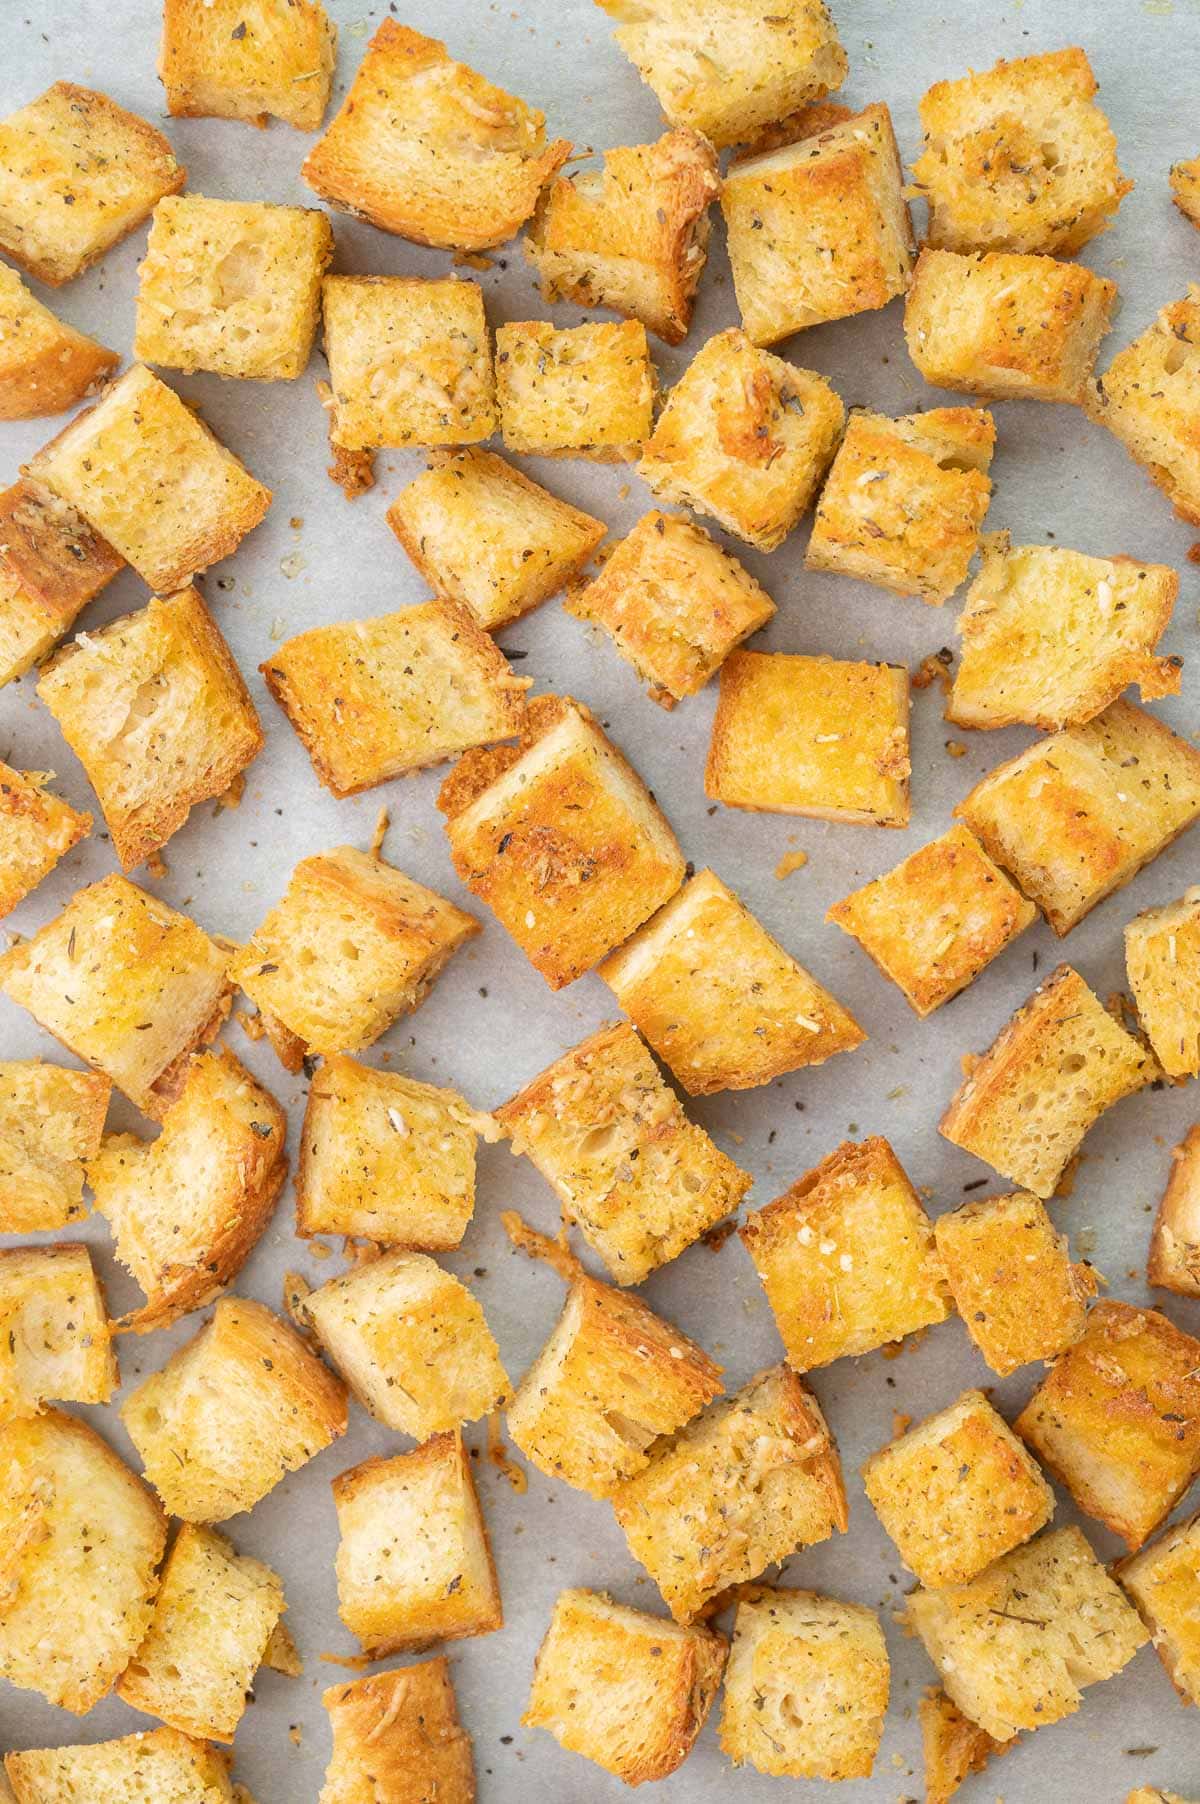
(719, 1000)
(45, 365)
(1012, 1280)
(745, 438)
(1147, 398)
(397, 1734)
(51, 1120)
(562, 840)
(1075, 817)
(934, 922)
(1049, 1074)
(426, 148)
(846, 1257)
(37, 829)
(376, 699)
(744, 1485)
(1174, 1262)
(55, 1344)
(1153, 1794)
(579, 391)
(352, 944)
(155, 709)
(239, 1406)
(953, 1747)
(51, 565)
(413, 1563)
(77, 173)
(161, 1766)
(1185, 188)
(127, 984)
(624, 1689)
(248, 59)
(807, 1687)
(145, 471)
(675, 603)
(1163, 1581)
(1019, 158)
(905, 501)
(640, 1180)
(1162, 960)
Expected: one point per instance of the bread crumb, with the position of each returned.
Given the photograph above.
(555, 1253)
(956, 748)
(791, 861)
(383, 821)
(935, 669)
(157, 865)
(497, 1453)
(232, 797)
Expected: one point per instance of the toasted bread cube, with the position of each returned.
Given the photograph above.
(675, 604)
(398, 1734)
(1147, 398)
(744, 1485)
(905, 501)
(952, 1746)
(127, 984)
(561, 839)
(624, 1689)
(579, 391)
(744, 438)
(639, 1179)
(807, 1688)
(846, 1257)
(55, 1344)
(1163, 1581)
(719, 1000)
(45, 365)
(77, 173)
(1154, 1794)
(1075, 817)
(1019, 158)
(411, 1342)
(1174, 1262)
(612, 1377)
(159, 1764)
(155, 709)
(1185, 188)
(37, 829)
(51, 565)
(414, 1564)
(239, 1406)
(51, 1121)
(1012, 1280)
(187, 1209)
(426, 148)
(248, 59)
(1162, 960)
(352, 944)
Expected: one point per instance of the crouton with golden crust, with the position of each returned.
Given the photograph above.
(37, 830)
(952, 1746)
(55, 1344)
(248, 59)
(1162, 961)
(1147, 398)
(45, 365)
(162, 1765)
(1174, 1262)
(1163, 1581)
(397, 1739)
(51, 1121)
(1012, 1280)
(51, 565)
(1185, 188)
(575, 391)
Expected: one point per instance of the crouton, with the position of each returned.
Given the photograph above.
(1050, 1073)
(562, 840)
(1153, 1794)
(579, 391)
(624, 1689)
(54, 1336)
(612, 1377)
(745, 438)
(82, 1541)
(934, 922)
(1016, 1646)
(187, 1209)
(376, 699)
(145, 471)
(675, 604)
(1162, 960)
(426, 148)
(905, 501)
(162, 1765)
(213, 1617)
(37, 829)
(352, 944)
(1147, 398)
(846, 1257)
(127, 984)
(234, 1410)
(413, 1563)
(77, 174)
(1075, 817)
(45, 365)
(398, 1734)
(818, 228)
(952, 1746)
(480, 532)
(1185, 188)
(1012, 1280)
(248, 59)
(729, 68)
(743, 1485)
(1019, 158)
(1174, 1262)
(1163, 1581)
(825, 737)
(640, 1180)
(720, 1001)
(51, 565)
(807, 1688)
(51, 1120)
(155, 709)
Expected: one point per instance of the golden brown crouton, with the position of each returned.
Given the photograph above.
(744, 1485)
(579, 391)
(51, 1120)
(953, 1747)
(55, 1344)
(745, 438)
(624, 1689)
(37, 829)
(239, 1406)
(1154, 1794)
(1162, 960)
(1174, 1262)
(1164, 1582)
(247, 59)
(846, 1257)
(1012, 1280)
(426, 148)
(159, 1765)
(1147, 398)
(413, 1563)
(45, 365)
(397, 1734)
(51, 565)
(1185, 188)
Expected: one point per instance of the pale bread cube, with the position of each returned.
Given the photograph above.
(575, 391)
(952, 1746)
(51, 1121)
(160, 1766)
(55, 1344)
(397, 1735)
(1185, 188)
(248, 59)
(1147, 398)
(1163, 1581)
(1012, 1279)
(37, 830)
(1174, 1262)
(51, 565)
(1162, 961)
(45, 364)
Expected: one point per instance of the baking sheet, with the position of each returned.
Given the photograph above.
(490, 1024)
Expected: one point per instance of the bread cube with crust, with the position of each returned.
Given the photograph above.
(1163, 1580)
(55, 1344)
(1012, 1280)
(426, 148)
(745, 438)
(1147, 397)
(159, 1764)
(742, 1486)
(952, 1746)
(1154, 1794)
(847, 1257)
(1174, 1262)
(414, 1564)
(1185, 188)
(45, 365)
(397, 1733)
(575, 391)
(480, 532)
(37, 830)
(155, 709)
(248, 59)
(352, 944)
(628, 1691)
(51, 565)
(1162, 960)
(51, 1121)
